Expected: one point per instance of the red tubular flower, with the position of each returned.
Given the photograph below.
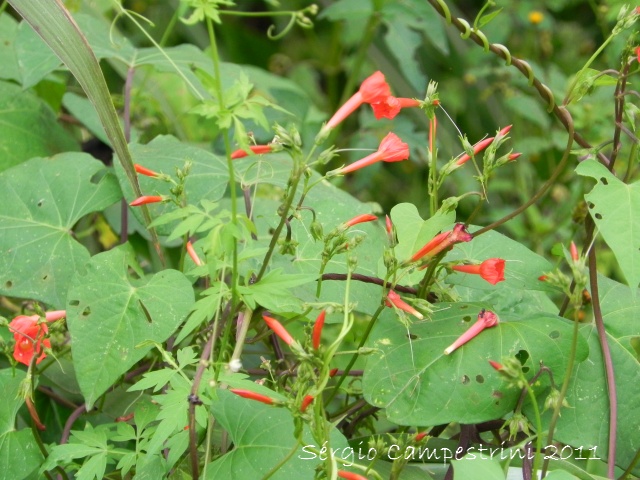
(443, 241)
(350, 475)
(278, 329)
(497, 366)
(491, 270)
(638, 48)
(574, 252)
(374, 89)
(420, 436)
(391, 106)
(365, 217)
(393, 299)
(391, 149)
(257, 149)
(317, 330)
(252, 396)
(306, 401)
(145, 171)
(486, 319)
(29, 338)
(145, 199)
(477, 148)
(192, 253)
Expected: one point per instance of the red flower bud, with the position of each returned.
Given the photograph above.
(393, 299)
(192, 253)
(574, 252)
(420, 436)
(317, 330)
(513, 156)
(442, 242)
(497, 366)
(305, 402)
(333, 372)
(278, 329)
(477, 148)
(365, 217)
(253, 396)
(257, 149)
(145, 171)
(145, 199)
(350, 475)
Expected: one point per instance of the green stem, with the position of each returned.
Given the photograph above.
(563, 390)
(586, 65)
(215, 57)
(283, 218)
(424, 285)
(536, 411)
(278, 465)
(354, 357)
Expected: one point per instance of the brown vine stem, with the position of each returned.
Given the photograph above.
(606, 355)
(544, 92)
(368, 279)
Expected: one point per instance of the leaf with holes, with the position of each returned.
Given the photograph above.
(263, 436)
(588, 389)
(40, 202)
(109, 314)
(410, 376)
(615, 209)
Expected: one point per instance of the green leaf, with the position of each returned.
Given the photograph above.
(10, 382)
(615, 209)
(19, 455)
(8, 59)
(84, 112)
(588, 390)
(207, 179)
(346, 10)
(35, 60)
(403, 42)
(28, 128)
(109, 314)
(40, 202)
(477, 467)
(273, 290)
(419, 385)
(414, 232)
(262, 436)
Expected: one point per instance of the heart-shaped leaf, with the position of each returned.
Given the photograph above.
(419, 385)
(615, 209)
(263, 436)
(588, 390)
(40, 202)
(110, 314)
